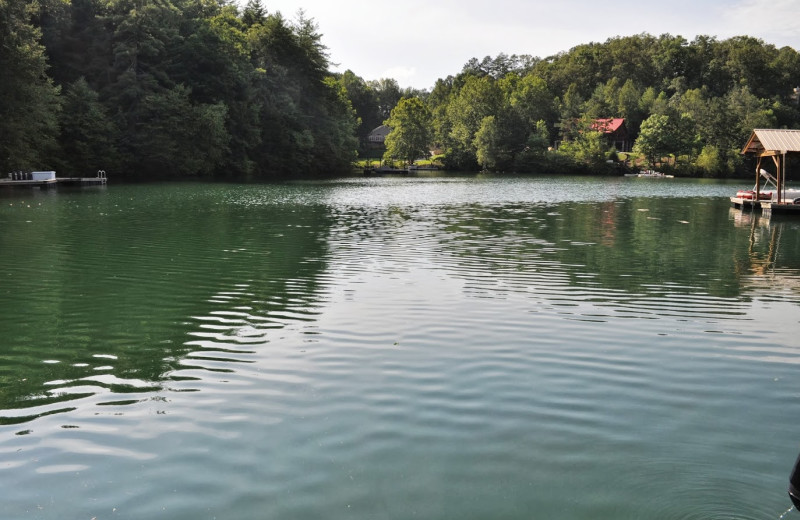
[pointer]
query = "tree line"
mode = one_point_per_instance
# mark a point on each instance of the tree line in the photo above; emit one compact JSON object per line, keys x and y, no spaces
{"x":168,"y":88}
{"x":689,"y":106}
{"x":176,"y":88}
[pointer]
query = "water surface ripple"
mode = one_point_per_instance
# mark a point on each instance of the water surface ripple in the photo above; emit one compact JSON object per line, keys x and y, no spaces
{"x":420,"y":347}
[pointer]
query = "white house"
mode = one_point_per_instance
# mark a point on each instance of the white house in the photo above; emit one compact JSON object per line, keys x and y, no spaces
{"x":378,"y":135}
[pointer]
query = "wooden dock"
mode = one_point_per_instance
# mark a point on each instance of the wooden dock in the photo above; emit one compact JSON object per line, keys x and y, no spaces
{"x":26,"y":181}
{"x":383,"y":170}
{"x":81,"y":181}
{"x":783,"y":208}
{"x":746,"y":204}
{"x":767,"y":207}
{"x":8,"y":183}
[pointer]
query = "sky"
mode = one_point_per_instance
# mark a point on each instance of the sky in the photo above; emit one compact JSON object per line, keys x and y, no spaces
{"x":417,"y":42}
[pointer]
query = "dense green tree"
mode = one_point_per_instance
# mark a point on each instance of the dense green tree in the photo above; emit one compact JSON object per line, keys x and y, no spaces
{"x":302,"y":113}
{"x":586,"y":146}
{"x":604,"y":100}
{"x":438,"y":101}
{"x":410,"y":137}
{"x":629,"y":58}
{"x":749,"y":61}
{"x":750,"y":111}
{"x":671,"y":56}
{"x":387,"y":95}
{"x":785,"y":71}
{"x":533,"y":100}
{"x":336,"y":124}
{"x":254,"y":13}
{"x":500,"y":66}
{"x":571,"y":104}
{"x":656,"y":139}
{"x":202,"y":87}
{"x":533,"y":155}
{"x":29,"y":102}
{"x":477,"y":99}
{"x":627,"y":105}
{"x":710,"y":161}
{"x":491,"y":146}
{"x":88,"y":135}
{"x":364,"y":101}
{"x":214,"y":60}
{"x":179,"y":138}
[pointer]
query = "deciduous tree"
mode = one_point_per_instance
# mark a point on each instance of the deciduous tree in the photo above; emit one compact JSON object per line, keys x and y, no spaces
{"x":410,"y":136}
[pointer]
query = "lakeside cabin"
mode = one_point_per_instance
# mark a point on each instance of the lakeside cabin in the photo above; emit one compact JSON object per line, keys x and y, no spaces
{"x":615,"y":131}
{"x":377,"y":136}
{"x":778,"y":146}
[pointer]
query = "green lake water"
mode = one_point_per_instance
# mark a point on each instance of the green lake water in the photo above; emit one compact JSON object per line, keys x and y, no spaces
{"x":432,"y":347}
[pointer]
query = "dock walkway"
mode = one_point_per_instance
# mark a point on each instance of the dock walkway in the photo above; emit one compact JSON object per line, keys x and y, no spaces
{"x":783,"y":208}
{"x":27,"y":180}
{"x":767,"y":207}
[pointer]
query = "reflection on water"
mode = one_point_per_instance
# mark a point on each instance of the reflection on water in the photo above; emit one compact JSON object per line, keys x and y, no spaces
{"x":432,"y":347}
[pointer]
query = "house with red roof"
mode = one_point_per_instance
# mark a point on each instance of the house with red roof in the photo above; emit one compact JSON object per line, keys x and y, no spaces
{"x":615,"y":131}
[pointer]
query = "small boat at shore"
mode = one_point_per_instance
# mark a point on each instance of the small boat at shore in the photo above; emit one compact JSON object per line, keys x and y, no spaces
{"x":751,"y":195}
{"x":759,"y":198}
{"x":650,"y":173}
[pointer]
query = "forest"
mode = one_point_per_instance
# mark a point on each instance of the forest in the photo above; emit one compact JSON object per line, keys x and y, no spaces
{"x":689,"y":107}
{"x":187,"y":88}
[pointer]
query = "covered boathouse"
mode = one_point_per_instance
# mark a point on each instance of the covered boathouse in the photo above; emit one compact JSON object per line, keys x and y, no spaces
{"x":779,"y":146}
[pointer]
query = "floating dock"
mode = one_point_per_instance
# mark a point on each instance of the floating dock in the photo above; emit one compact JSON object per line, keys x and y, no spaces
{"x":767,"y":207}
{"x":746,"y":204}
{"x":778,"y":145}
{"x":48,"y":179}
{"x":782,"y":208}
{"x":385,"y":171}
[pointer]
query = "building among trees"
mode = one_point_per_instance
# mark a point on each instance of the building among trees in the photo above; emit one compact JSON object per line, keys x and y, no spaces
{"x":377,"y":137}
{"x":615,"y":131}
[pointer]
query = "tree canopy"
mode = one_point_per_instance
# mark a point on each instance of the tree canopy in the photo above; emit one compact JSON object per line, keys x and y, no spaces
{"x":168,"y":88}
{"x":684,"y":104}
{"x":410,"y":136}
{"x":204,"y":87}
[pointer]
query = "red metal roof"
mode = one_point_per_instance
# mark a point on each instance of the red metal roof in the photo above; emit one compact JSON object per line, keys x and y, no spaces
{"x":608,"y":126}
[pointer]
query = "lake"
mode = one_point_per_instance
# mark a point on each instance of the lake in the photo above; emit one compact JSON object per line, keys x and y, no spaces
{"x":470,"y":347}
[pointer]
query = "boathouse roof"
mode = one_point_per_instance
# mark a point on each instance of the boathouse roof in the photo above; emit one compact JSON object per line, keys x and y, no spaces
{"x":764,"y":142}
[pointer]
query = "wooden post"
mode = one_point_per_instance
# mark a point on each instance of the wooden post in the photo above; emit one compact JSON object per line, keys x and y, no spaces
{"x":777,"y":160}
{"x":783,"y":163}
{"x":758,"y":182}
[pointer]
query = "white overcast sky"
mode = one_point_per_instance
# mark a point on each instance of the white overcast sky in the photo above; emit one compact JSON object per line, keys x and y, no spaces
{"x":418,"y":41}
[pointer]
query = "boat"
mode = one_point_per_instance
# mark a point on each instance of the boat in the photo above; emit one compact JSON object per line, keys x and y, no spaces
{"x":751,"y":194}
{"x":759,"y":198}
{"x":650,"y":173}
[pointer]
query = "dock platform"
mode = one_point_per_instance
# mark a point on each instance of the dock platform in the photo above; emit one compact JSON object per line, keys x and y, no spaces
{"x":82,"y":181}
{"x":385,"y":171}
{"x":746,"y":204}
{"x":49,"y":181}
{"x":767,"y":207}
{"x":783,"y":208}
{"x":8,"y":183}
